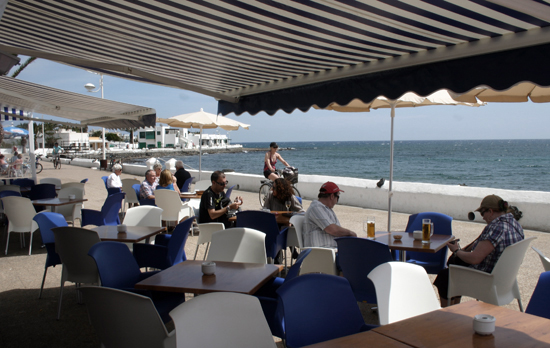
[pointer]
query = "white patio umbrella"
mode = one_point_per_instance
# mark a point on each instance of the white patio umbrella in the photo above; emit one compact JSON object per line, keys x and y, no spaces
{"x":202,"y":120}
{"x":407,"y":100}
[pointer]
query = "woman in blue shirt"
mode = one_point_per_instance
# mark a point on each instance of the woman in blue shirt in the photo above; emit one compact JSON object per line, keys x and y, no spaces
{"x":166,"y":182}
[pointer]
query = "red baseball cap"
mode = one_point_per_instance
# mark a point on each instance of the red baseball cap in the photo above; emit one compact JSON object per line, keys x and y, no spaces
{"x":329,"y":187}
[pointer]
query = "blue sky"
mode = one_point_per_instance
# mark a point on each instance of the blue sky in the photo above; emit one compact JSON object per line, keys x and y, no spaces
{"x":493,"y":121}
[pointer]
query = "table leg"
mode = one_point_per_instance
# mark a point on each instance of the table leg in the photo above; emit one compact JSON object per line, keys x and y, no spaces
{"x":402,"y":255}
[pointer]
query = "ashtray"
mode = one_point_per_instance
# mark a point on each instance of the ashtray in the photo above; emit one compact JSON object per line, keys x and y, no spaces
{"x":397,"y":236}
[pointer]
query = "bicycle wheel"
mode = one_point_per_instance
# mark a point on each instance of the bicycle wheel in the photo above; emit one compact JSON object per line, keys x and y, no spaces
{"x":264,"y":190}
{"x":39,"y":168}
{"x":296,"y":192}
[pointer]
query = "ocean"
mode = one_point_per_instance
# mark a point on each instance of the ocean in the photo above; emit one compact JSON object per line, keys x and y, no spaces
{"x":504,"y":164}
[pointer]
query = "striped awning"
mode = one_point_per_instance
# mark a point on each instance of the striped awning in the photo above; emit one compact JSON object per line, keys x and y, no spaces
{"x":261,"y":55}
{"x":20,"y":97}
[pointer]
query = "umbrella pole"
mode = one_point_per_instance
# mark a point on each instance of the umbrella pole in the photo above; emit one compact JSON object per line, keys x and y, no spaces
{"x":390,"y":192}
{"x":200,"y":155}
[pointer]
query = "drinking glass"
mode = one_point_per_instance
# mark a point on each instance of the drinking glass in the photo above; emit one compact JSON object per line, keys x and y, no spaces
{"x":288,"y":204}
{"x":426,"y":231}
{"x":368,"y":226}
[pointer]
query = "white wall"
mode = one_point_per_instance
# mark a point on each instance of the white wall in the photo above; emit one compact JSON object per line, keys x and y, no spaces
{"x":455,"y":201}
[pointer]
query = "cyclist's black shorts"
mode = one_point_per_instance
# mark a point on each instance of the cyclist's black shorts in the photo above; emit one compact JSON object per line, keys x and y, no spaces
{"x":268,"y":172}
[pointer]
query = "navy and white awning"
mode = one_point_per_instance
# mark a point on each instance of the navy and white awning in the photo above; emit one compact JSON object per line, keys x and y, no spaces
{"x":261,"y":55}
{"x":23,"y":97}
{"x":9,"y":113}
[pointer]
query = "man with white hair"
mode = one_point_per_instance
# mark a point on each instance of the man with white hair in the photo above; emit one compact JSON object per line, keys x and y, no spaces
{"x":181,"y":174}
{"x":114,"y":179}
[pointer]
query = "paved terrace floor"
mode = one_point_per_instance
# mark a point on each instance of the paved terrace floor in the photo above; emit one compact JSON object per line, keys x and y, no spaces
{"x":27,"y":321}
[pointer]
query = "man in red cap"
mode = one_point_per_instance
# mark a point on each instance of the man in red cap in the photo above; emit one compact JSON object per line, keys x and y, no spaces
{"x":321,"y":225}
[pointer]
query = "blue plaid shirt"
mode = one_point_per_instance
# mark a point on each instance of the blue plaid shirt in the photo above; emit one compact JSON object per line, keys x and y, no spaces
{"x":501,"y":232}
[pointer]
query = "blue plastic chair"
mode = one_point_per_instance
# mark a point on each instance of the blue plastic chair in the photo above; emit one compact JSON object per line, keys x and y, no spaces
{"x":136,"y":188}
{"x":540,"y":300}
{"x":167,"y":251}
{"x":46,"y":221}
{"x":229,"y":191}
{"x":119,"y":270}
{"x":8,"y":193}
{"x":108,"y":214}
{"x":275,"y":239}
{"x":187,"y":184}
{"x":111,"y":190}
{"x":357,"y":257}
{"x":432,"y":263}
{"x":117,"y":266}
{"x":105,"y":178}
{"x":84,"y":181}
{"x":268,"y":296}
{"x":23,"y":182}
{"x":42,"y":191}
{"x":318,"y":308}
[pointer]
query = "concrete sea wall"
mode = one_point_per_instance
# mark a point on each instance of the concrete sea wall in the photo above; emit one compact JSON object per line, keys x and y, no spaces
{"x":455,"y":201}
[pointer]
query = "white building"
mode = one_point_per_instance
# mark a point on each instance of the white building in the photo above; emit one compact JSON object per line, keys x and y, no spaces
{"x":161,"y":137}
{"x":68,"y":138}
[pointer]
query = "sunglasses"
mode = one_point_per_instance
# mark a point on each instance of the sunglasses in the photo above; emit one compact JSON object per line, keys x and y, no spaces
{"x":222,"y":183}
{"x":482,"y":212}
{"x":337,"y":197}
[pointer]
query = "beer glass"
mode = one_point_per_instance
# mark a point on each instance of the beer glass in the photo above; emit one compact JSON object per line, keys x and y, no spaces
{"x":368,"y":226}
{"x":426,"y":231}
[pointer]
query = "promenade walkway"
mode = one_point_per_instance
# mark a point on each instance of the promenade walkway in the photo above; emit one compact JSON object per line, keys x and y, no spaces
{"x":27,"y":321}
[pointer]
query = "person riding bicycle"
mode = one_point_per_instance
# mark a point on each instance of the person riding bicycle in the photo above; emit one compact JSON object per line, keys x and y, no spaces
{"x":270,"y":172}
{"x":57,"y":150}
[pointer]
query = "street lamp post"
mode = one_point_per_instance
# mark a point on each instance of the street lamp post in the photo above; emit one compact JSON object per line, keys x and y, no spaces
{"x":90,"y":88}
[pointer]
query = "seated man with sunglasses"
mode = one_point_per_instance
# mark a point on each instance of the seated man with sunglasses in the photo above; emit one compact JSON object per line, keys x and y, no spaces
{"x":214,"y":207}
{"x":321,"y":226}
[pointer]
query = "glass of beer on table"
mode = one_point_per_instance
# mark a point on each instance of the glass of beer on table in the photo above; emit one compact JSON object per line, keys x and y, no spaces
{"x":426,"y":230}
{"x":368,"y":226}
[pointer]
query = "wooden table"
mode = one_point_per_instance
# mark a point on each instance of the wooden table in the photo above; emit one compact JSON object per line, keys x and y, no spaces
{"x":56,"y":202}
{"x":408,"y":243}
{"x":364,"y":339}
{"x":187,"y":277}
{"x":133,"y":234}
{"x":190,"y":196}
{"x":453,"y":327}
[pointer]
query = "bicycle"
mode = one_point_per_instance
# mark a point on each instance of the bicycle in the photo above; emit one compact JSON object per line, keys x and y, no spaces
{"x":38,"y":165}
{"x":57,"y":161}
{"x":267,"y":185}
{"x":114,"y":161}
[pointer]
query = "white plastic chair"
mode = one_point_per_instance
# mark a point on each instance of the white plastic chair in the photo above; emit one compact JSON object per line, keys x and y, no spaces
{"x":499,"y":287}
{"x":320,"y":260}
{"x":146,"y":215}
{"x":72,"y":244}
{"x":202,"y":185}
{"x":74,"y":184}
{"x":238,"y":245}
{"x":55,"y":181}
{"x":220,"y":320}
{"x":20,"y":213}
{"x":205,"y":235}
{"x":125,"y":319}
{"x":131,"y":197}
{"x":71,"y":212}
{"x":545,"y":260}
{"x":294,"y":236}
{"x":403,"y":290}
{"x":173,"y":209}
{"x":16,"y":188}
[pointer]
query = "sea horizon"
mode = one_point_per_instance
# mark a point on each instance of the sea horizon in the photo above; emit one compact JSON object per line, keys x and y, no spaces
{"x":516,"y":164}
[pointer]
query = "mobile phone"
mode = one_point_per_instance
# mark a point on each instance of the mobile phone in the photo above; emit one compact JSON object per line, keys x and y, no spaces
{"x":455,"y":241}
